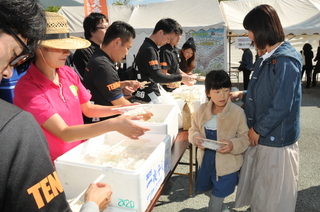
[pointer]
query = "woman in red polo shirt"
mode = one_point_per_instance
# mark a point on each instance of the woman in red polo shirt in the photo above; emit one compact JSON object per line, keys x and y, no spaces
{"x":53,"y":93}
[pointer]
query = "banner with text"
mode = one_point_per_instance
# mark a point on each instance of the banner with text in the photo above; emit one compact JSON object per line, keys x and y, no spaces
{"x":95,"y":6}
{"x":243,"y":43}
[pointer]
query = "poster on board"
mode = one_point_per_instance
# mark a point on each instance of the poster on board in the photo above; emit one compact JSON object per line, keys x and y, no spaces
{"x":210,"y":54}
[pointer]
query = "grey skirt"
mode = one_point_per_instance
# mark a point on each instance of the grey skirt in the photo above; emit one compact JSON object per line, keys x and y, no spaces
{"x":269,"y":179}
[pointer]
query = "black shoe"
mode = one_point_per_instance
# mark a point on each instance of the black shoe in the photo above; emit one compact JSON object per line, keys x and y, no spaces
{"x":306,"y":87}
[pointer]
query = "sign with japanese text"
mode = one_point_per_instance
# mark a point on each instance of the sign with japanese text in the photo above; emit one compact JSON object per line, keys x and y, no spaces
{"x":95,"y":6}
{"x":243,"y":43}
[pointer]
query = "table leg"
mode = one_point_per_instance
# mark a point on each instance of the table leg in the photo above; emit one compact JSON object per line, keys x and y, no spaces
{"x":191,"y":170}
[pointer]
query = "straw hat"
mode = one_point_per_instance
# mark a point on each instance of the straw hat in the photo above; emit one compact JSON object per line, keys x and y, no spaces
{"x":57,"y":34}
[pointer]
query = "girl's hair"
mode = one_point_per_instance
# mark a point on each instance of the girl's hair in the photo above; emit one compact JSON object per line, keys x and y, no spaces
{"x":265,"y":24}
{"x":187,"y":65}
{"x":216,"y":80}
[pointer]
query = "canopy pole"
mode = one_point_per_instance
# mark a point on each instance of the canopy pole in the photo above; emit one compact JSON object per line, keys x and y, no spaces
{"x":229,"y":38}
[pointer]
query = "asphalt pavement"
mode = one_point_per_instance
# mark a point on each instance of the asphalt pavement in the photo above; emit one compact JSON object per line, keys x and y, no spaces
{"x":175,"y":196}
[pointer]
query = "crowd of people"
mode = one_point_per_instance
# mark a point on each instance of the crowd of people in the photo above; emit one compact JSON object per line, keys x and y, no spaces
{"x":308,"y":67}
{"x":55,"y":97}
{"x":58,"y":107}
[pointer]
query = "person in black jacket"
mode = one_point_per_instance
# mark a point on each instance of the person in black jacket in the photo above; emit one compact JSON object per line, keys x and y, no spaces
{"x":316,"y":68}
{"x":246,"y":62}
{"x":307,"y":56}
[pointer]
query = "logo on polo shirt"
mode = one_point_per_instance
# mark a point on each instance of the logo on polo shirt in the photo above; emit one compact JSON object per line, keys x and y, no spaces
{"x":164,"y":64}
{"x":74,"y":89}
{"x":114,"y":85}
{"x":153,"y":62}
{"x":46,"y":190}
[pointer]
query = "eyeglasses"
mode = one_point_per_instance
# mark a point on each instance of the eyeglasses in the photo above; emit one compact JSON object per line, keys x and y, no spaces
{"x":21,"y":58}
{"x":104,"y":27}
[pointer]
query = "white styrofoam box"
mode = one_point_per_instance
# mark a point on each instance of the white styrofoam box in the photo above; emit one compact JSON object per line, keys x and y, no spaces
{"x":196,"y":93}
{"x":109,"y":154}
{"x":163,"y":121}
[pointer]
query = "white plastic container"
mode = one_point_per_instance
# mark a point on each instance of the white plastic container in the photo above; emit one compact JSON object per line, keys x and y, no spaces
{"x":164,"y":120}
{"x":211,"y":144}
{"x":133,"y":189}
{"x":196,"y":94}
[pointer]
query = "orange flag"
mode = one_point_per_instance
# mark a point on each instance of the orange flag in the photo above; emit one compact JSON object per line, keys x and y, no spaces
{"x":95,"y":6}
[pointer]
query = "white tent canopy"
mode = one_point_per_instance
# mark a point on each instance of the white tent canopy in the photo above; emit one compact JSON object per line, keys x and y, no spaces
{"x":191,"y":14}
{"x":297,"y":16}
{"x":198,"y":18}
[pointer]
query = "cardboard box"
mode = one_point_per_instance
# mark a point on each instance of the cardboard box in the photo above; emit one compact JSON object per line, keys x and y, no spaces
{"x":110,"y":154}
{"x":163,"y":121}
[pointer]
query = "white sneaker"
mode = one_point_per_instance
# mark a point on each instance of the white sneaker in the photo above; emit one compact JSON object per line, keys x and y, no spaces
{"x":227,"y":209}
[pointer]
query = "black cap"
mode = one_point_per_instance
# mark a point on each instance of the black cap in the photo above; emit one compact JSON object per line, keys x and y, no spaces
{"x":189,"y":44}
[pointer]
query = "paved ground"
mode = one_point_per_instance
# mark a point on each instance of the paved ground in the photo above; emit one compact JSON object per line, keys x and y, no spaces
{"x":175,"y":197}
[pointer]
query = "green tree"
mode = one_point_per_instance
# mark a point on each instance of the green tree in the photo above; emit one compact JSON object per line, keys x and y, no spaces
{"x":121,"y":2}
{"x":53,"y":9}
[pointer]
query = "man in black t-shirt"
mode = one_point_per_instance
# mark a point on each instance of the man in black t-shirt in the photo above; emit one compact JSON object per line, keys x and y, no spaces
{"x":169,"y":59}
{"x":101,"y":76}
{"x":148,"y":61}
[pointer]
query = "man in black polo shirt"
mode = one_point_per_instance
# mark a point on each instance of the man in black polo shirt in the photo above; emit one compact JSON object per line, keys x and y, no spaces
{"x":169,"y":59}
{"x":148,"y":62}
{"x":101,"y":75}
{"x":95,"y":26}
